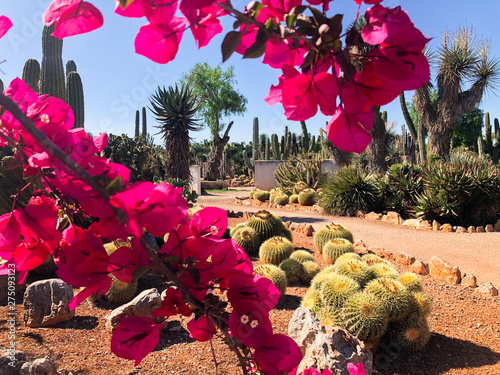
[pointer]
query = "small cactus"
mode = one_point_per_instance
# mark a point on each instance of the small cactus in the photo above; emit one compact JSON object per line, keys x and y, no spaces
{"x":248,"y":239}
{"x":385,"y":270}
{"x":355,"y":269}
{"x":393,"y":295}
{"x":330,"y":231}
{"x":307,"y":197}
{"x":336,"y":247}
{"x":337,"y":289}
{"x":420,"y":304}
{"x":273,"y":273}
{"x":121,"y":292}
{"x":411,"y":281}
{"x":261,"y":195}
{"x":411,"y":335}
{"x":275,"y":250}
{"x":330,"y":317}
{"x":293,"y":270}
{"x":236,"y":228}
{"x":310,"y":270}
{"x":312,"y":300}
{"x":299,"y":186}
{"x":364,"y":316}
{"x":281,"y":199}
{"x":302,"y":256}
{"x":287,"y":233}
{"x":294,"y":198}
{"x":266,"y":224}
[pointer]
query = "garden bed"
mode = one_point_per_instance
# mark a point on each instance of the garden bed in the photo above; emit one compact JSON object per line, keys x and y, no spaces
{"x":465,"y":337}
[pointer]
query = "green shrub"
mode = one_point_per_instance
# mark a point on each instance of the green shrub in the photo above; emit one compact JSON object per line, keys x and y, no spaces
{"x":401,"y":188}
{"x":351,"y":190}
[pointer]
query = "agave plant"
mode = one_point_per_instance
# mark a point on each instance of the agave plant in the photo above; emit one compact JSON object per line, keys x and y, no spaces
{"x":174,"y":109}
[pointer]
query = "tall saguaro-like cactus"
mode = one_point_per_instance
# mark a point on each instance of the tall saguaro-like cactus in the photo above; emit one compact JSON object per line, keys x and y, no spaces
{"x":255,"y":140}
{"x":52,"y":78}
{"x":31,"y":73}
{"x":75,"y":98}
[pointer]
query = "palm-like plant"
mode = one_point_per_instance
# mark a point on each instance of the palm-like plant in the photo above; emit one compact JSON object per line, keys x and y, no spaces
{"x":174,"y":109}
{"x":461,"y":59}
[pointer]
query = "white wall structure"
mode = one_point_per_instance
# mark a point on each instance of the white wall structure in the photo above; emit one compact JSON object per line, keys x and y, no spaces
{"x":195,"y":171}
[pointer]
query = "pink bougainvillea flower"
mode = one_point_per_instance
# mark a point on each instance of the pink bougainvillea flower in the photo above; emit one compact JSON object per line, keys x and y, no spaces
{"x":134,"y":9}
{"x":350,"y":132}
{"x":160,"y":43}
{"x":252,"y":292}
{"x":281,"y":7}
{"x":82,"y":262}
{"x":356,"y":369}
{"x":277,"y":354}
{"x":201,"y":329}
{"x":325,"y":3}
{"x":275,"y":93}
{"x":313,"y":371}
{"x":389,"y":27}
{"x":72,"y":17}
{"x":302,"y":94}
{"x":209,"y":221}
{"x":251,"y":328}
{"x":283,"y":53}
{"x":5,"y":25}
{"x":203,"y":22}
{"x":161,"y":12}
{"x":126,"y":259}
{"x":135,"y":337}
{"x":172,"y":304}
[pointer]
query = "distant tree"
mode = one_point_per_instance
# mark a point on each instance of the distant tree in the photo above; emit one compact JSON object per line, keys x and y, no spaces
{"x":218,"y":99}
{"x":468,"y":129}
{"x":175,"y":109}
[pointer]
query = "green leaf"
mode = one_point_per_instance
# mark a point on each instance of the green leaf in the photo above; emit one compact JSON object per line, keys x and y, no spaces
{"x":290,"y":20}
{"x":115,"y":184}
{"x":125,"y":3}
{"x":335,"y":24}
{"x":259,"y":46}
{"x":318,"y":16}
{"x":231,"y":42}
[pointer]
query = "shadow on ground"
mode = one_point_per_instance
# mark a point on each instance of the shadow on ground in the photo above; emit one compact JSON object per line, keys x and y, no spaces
{"x":301,"y":219}
{"x":445,"y":353}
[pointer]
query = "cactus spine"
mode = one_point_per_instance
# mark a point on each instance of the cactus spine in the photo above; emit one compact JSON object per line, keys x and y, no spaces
{"x":31,"y":73}
{"x":52,"y":79}
{"x":75,"y":98}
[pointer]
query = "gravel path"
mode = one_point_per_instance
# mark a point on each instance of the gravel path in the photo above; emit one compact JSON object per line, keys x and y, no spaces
{"x":475,"y":253}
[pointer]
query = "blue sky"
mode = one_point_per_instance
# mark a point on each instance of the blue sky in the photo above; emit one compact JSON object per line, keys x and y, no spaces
{"x":117,"y":81}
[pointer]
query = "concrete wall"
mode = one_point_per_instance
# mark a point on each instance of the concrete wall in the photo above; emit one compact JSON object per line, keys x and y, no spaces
{"x":264,"y":172}
{"x":195,"y":171}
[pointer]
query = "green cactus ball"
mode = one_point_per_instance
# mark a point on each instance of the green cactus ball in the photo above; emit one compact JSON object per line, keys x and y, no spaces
{"x":275,"y":250}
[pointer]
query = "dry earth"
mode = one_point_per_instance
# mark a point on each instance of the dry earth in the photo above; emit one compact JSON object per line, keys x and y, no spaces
{"x":465,"y":337}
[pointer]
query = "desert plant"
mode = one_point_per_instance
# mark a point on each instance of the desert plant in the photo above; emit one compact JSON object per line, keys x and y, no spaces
{"x":356,"y":270}
{"x":302,"y":256}
{"x":273,"y":273}
{"x":411,"y":281}
{"x":307,"y":197}
{"x":404,"y":183}
{"x":299,"y":186}
{"x":393,"y":295}
{"x":337,"y":289}
{"x":287,"y":233}
{"x":385,"y":270}
{"x":420,"y":305}
{"x":310,"y":270}
{"x":275,"y":250}
{"x":248,"y":239}
{"x":261,"y":195}
{"x":281,"y":199}
{"x":335,"y":248}
{"x":329,"y":232}
{"x":294,"y":198}
{"x":411,"y":334}
{"x":365,"y":316}
{"x":350,"y":190}
{"x":293,"y":270}
{"x":121,"y":292}
{"x":266,"y":224}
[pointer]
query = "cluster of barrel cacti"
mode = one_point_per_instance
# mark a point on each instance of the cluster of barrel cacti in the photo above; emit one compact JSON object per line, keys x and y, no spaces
{"x":50,"y":78}
{"x":370,"y":298}
{"x":300,"y":193}
{"x":266,"y":235}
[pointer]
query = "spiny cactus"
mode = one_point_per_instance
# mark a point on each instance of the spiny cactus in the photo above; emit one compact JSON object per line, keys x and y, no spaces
{"x":330,"y":317}
{"x":364,"y":316}
{"x":273,"y":193}
{"x":312,"y":300}
{"x":121,"y":292}
{"x":266,"y":224}
{"x":393,"y":295}
{"x":307,"y":197}
{"x":293,"y":270}
{"x":302,"y":256}
{"x":385,"y":270}
{"x":75,"y":98}
{"x":31,"y":73}
{"x":193,"y":210}
{"x":252,"y":192}
{"x":346,"y":257}
{"x":287,"y":233}
{"x":281,"y":199}
{"x":70,"y":67}
{"x":273,"y":273}
{"x":52,"y":78}
{"x":236,"y":228}
{"x":411,"y":281}
{"x":337,"y":289}
{"x":261,"y":195}
{"x":137,"y":118}
{"x":275,"y":250}
{"x":329,"y":232}
{"x":356,"y":270}
{"x":420,"y":305}
{"x":411,"y":334}
{"x":294,"y":198}
{"x":310,"y":270}
{"x":299,"y":186}
{"x":372,"y":259}
{"x":48,"y":267}
{"x":318,"y":280}
{"x":248,"y":239}
{"x":336,"y":247}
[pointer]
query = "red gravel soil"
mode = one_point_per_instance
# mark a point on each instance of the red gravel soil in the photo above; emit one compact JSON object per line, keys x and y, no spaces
{"x":465,"y":337}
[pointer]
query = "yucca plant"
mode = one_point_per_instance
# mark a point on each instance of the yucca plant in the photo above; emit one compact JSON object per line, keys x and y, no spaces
{"x":174,"y":108}
{"x":350,"y":190}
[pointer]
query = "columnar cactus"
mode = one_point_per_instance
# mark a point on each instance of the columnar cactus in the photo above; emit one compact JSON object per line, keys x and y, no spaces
{"x":70,"y":67}
{"x":31,"y":73}
{"x":52,"y":78}
{"x":137,"y":118}
{"x":144,"y":123}
{"x":75,"y":98}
